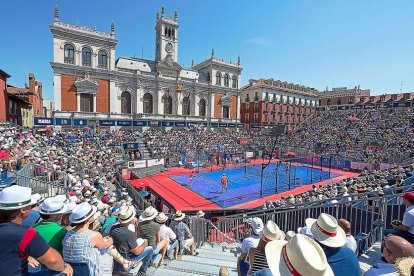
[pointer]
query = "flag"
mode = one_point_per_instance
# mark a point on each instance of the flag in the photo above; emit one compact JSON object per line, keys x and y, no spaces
{"x":180,"y":88}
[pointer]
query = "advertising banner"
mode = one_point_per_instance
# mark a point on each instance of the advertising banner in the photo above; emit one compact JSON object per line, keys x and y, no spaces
{"x":63,"y":122}
{"x":153,"y":162}
{"x":124,"y":123}
{"x":106,"y":122}
{"x":140,"y":123}
{"x":138,"y":164}
{"x":40,"y":121}
{"x":80,"y":122}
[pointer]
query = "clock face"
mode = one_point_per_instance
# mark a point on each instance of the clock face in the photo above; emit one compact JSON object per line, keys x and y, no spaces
{"x":169,"y":47}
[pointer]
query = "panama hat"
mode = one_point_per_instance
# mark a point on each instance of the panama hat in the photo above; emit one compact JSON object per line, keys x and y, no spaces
{"x":82,"y":212}
{"x":257,"y":225}
{"x":325,"y":230}
{"x":69,"y":207}
{"x":271,"y":232}
{"x":300,"y":256}
{"x":15,"y":197}
{"x":52,"y":206}
{"x":290,"y":235}
{"x":405,"y":266}
{"x":149,"y":214}
{"x":126,"y":214}
{"x":200,"y":214}
{"x":62,"y":198}
{"x":37,"y":198}
{"x":161,"y":218}
{"x":179,"y":216}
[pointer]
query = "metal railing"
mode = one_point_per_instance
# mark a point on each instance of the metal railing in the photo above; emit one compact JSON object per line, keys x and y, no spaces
{"x":136,"y":197}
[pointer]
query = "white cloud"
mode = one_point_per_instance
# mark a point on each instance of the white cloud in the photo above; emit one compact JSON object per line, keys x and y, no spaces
{"x":260,"y":41}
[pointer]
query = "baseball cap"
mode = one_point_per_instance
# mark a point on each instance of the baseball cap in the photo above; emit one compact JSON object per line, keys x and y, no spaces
{"x":257,"y":225}
{"x":409,"y":196}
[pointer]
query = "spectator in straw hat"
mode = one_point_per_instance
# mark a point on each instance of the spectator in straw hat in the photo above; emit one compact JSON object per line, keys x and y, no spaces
{"x":257,"y":257}
{"x":150,"y":230}
{"x":332,"y":238}
{"x":405,"y":266}
{"x":256,"y":225}
{"x":168,"y":234}
{"x":200,"y":214}
{"x":184,"y":236}
{"x":300,"y":256}
{"x":126,"y":241}
{"x":394,"y":248}
{"x":18,"y":241}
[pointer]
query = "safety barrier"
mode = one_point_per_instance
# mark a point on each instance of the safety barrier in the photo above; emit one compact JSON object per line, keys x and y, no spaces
{"x":136,"y":197}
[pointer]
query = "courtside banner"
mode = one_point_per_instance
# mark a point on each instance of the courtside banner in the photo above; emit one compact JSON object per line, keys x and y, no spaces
{"x":180,"y":124}
{"x":154,"y":123}
{"x":214,"y":125}
{"x":140,"y":123}
{"x":153,"y":162}
{"x":106,"y":122}
{"x":167,"y":124}
{"x":222,"y":125}
{"x":63,"y":122}
{"x":240,"y":125}
{"x":137,"y":164}
{"x":124,"y":123}
{"x":80,"y":122}
{"x":232,"y":125}
{"x":40,"y":121}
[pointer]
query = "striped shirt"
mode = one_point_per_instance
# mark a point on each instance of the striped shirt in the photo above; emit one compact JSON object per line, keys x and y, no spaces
{"x":259,"y":261}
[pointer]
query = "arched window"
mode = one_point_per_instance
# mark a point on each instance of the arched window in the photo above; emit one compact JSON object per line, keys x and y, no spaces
{"x":126,"y":102}
{"x":202,"y":108}
{"x":168,"y":105}
{"x":147,"y":103}
{"x":186,"y":106}
{"x":86,"y":56}
{"x":218,"y":78}
{"x":69,"y":54}
{"x":102,"y":59}
{"x":338,"y":101}
{"x":86,"y":102}
{"x":208,"y":77}
{"x":226,"y":80}
{"x":234,"y":82}
{"x":226,"y":112}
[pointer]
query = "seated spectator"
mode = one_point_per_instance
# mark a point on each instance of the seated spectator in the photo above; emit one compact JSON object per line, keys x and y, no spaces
{"x":252,"y":241}
{"x":33,"y":216}
{"x":257,"y":256}
{"x":168,"y":234}
{"x":200,"y":214}
{"x":150,"y":230}
{"x":300,"y":256}
{"x":405,"y":266}
{"x":84,"y":246}
{"x":18,"y":241}
{"x":350,"y":240}
{"x":184,"y":236}
{"x":394,"y":247}
{"x":404,"y":228}
{"x":126,"y":241}
{"x":332,"y":238}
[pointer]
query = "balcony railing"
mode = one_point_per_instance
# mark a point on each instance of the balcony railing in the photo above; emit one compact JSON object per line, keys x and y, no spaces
{"x":69,"y":60}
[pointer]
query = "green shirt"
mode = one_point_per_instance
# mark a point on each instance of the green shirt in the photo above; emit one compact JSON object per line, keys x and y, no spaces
{"x":52,"y":233}
{"x":108,"y":221}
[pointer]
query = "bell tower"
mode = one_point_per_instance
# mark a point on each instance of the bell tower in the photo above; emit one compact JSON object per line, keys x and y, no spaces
{"x":166,"y":38}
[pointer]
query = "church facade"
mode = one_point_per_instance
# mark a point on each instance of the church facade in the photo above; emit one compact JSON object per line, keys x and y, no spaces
{"x":91,"y":82}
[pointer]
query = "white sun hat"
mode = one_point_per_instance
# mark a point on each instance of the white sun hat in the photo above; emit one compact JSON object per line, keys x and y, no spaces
{"x":126,"y":214}
{"x":149,"y":214}
{"x":257,"y":225}
{"x":52,"y":206}
{"x":300,"y":256}
{"x":325,"y":230}
{"x":271,"y":232}
{"x":15,"y":197}
{"x":82,"y":212}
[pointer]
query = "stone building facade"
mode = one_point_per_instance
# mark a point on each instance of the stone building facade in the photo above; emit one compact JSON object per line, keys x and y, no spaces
{"x":91,"y":82}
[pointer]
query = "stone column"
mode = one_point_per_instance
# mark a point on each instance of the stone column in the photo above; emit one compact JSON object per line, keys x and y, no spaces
{"x":94,"y":103}
{"x":78,"y":102}
{"x":196,"y":107}
{"x":160,"y":104}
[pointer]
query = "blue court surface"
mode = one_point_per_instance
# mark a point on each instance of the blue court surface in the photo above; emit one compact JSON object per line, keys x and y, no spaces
{"x":244,"y":184}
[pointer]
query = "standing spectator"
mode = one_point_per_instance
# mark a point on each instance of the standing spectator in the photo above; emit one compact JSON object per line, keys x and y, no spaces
{"x":168,"y":234}
{"x":249,"y":242}
{"x":19,"y":242}
{"x":350,"y":240}
{"x":185,"y":238}
{"x":126,"y":240}
{"x":394,"y":247}
{"x":150,"y":230}
{"x":404,"y":228}
{"x":332,"y":238}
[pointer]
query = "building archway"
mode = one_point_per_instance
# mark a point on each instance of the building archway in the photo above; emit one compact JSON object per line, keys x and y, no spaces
{"x":148,"y":103}
{"x":126,"y":102}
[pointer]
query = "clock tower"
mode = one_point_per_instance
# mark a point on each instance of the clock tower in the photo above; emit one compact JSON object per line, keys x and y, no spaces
{"x":166,"y":38}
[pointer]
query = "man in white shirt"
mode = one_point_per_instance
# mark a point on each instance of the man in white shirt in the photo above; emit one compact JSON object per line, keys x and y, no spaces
{"x":394,"y":247}
{"x":166,"y":233}
{"x":350,"y":240}
{"x":249,"y":242}
{"x":404,"y":228}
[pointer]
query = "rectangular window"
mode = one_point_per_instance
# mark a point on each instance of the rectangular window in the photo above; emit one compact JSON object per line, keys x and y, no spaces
{"x":266,"y":118}
{"x":256,"y":117}
{"x":394,"y":97}
{"x":10,"y":107}
{"x":246,"y":117}
{"x":247,"y":107}
{"x":256,"y":107}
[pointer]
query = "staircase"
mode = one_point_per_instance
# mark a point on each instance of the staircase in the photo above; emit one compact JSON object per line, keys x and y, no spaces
{"x":144,"y":148}
{"x":211,"y":257}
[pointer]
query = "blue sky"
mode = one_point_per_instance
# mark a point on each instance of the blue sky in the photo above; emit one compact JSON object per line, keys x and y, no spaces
{"x":317,"y":43}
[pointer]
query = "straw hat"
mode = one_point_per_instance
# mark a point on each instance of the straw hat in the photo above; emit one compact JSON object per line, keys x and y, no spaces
{"x":325,"y":230}
{"x":52,"y":206}
{"x":82,"y":212}
{"x":200,"y":214}
{"x":149,"y":214}
{"x":300,"y":256}
{"x":15,"y":197}
{"x":271,"y":232}
{"x":405,"y":266}
{"x":290,"y":235}
{"x":126,"y":214}
{"x":179,"y":215}
{"x":161,"y":218}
